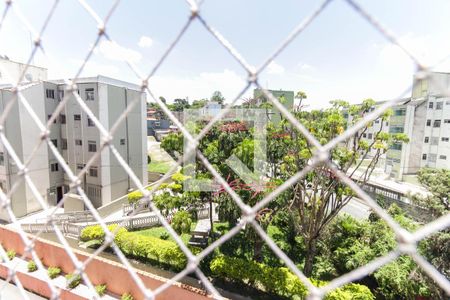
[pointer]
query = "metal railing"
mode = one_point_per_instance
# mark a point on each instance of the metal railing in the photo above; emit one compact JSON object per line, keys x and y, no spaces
{"x":407,"y":241}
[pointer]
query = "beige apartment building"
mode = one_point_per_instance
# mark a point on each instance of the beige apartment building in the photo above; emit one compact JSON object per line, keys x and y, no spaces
{"x":77,"y":139}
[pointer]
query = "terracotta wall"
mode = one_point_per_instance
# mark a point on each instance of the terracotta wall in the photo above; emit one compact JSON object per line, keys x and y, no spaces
{"x":100,"y":270}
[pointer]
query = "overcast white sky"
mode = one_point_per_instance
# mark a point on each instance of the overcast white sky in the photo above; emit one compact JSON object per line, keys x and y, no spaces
{"x":339,"y":56}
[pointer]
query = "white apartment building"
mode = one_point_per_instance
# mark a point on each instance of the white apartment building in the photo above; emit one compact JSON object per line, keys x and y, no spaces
{"x":11,"y":71}
{"x":77,"y":139}
{"x":425,"y":119}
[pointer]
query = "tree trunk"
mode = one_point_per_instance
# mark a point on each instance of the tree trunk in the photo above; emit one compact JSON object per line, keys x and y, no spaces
{"x":257,"y":249}
{"x":211,"y":216}
{"x":311,"y":251}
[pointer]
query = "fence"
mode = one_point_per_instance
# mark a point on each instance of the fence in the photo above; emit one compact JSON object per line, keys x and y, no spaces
{"x":74,"y":229}
{"x":321,"y":153}
{"x":389,"y":196}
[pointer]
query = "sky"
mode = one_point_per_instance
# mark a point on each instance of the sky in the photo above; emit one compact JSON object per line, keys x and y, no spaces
{"x":339,"y":56}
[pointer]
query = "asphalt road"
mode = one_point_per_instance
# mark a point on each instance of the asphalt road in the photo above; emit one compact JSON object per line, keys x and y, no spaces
{"x":357,"y":209}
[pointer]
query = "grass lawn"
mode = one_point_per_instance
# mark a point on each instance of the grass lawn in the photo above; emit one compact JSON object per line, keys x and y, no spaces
{"x":159,"y":167}
{"x":157,"y":231}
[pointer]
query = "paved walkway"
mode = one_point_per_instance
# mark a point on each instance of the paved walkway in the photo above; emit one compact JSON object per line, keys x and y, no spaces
{"x":157,"y":154}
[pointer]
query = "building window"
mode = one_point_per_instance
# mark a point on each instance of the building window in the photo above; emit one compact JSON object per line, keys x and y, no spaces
{"x":427,"y":139}
{"x":77,"y":117}
{"x":432,"y":157}
{"x":60,"y":95}
{"x":364,"y":135}
{"x":2,"y":159}
{"x":80,"y":166}
{"x":78,"y":142}
{"x":93,"y":171}
{"x":369,"y":136}
{"x":447,"y":121}
{"x":64,"y":144}
{"x":122,"y":141}
{"x":92,"y":146}
{"x":437,"y":123}
{"x":55,"y":142}
{"x":400,"y":112}
{"x":157,"y":123}
{"x":377,"y":121}
{"x":428,"y":122}
{"x":439,"y":105}
{"x":50,"y":93}
{"x":442,"y":157}
{"x":49,"y":117}
{"x":445,"y":139}
{"x":62,"y":119}
{"x":89,"y":94}
{"x":430,"y":105}
{"x":396,"y":146}
{"x":54,"y":167}
{"x":396,"y":129}
{"x":434,"y":140}
{"x":424,"y":156}
{"x":90,"y":122}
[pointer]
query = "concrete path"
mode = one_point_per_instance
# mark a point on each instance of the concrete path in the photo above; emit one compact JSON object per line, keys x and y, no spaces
{"x":156,"y":153}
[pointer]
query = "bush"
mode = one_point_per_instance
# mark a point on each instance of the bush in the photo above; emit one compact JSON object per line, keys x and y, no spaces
{"x":11,"y":254}
{"x":126,"y":296}
{"x":73,"y":280}
{"x":96,"y":232}
{"x":182,"y":222}
{"x":134,"y":197}
{"x":31,"y":266}
{"x":148,"y":248}
{"x":53,"y":272}
{"x":279,"y":281}
{"x":164,"y":236}
{"x":100,"y":289}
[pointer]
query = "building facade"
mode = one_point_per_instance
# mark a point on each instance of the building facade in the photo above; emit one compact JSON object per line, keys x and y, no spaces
{"x":77,"y":140}
{"x":11,"y":71}
{"x":425,"y":119}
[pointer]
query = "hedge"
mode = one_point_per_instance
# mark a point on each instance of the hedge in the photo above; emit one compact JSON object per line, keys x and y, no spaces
{"x":95,"y":232}
{"x":279,"y":281}
{"x":152,"y":249}
{"x":145,"y":248}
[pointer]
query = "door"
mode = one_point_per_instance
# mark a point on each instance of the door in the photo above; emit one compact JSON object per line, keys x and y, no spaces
{"x":59,"y":193}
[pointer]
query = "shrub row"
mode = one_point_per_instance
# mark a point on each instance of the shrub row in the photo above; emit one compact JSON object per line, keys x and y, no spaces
{"x":141,"y":247}
{"x":152,"y":249}
{"x":175,"y":186}
{"x":279,"y":281}
{"x":96,"y":232}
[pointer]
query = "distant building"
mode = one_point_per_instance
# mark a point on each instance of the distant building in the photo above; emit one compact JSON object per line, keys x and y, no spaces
{"x":10,"y":71}
{"x":77,"y":139}
{"x":211,"y":109}
{"x":285,"y":97}
{"x":425,"y":119}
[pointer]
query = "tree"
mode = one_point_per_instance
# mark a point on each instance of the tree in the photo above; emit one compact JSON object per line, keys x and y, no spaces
{"x":437,"y":182}
{"x":217,"y":97}
{"x":199,"y":103}
{"x":312,"y":202}
{"x":317,"y":198}
{"x":180,"y":104}
{"x":300,"y":95}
